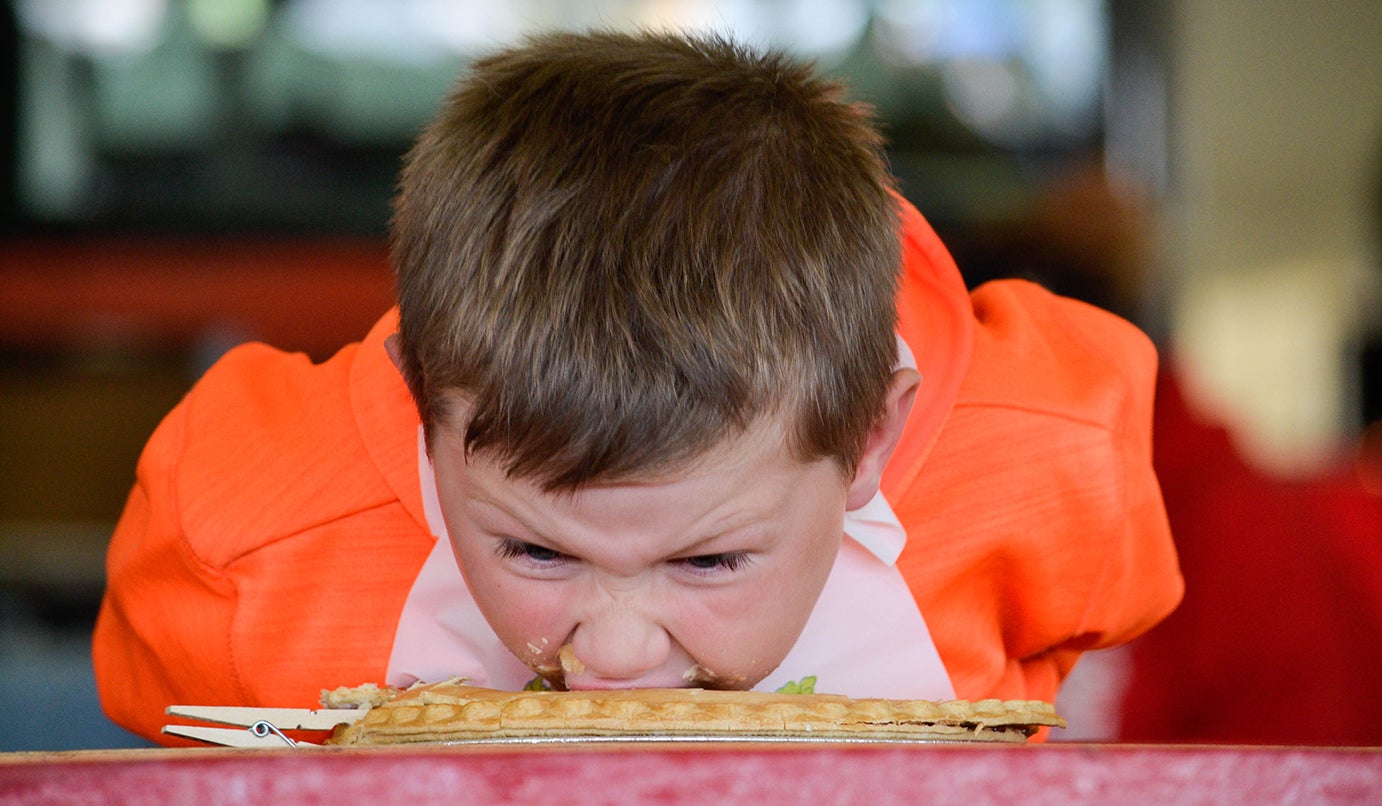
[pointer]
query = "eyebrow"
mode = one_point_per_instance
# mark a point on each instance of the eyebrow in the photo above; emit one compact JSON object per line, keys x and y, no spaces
{"x":695,"y":548}
{"x":490,"y":503}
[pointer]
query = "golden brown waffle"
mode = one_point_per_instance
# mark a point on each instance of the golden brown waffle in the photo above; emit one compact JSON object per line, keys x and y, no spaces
{"x":454,"y":712}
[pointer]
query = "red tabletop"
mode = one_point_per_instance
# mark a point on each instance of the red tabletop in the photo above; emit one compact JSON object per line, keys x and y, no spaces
{"x":701,"y":774}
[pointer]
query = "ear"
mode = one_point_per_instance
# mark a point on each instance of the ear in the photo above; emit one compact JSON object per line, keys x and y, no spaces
{"x":393,"y":346}
{"x":883,"y":438}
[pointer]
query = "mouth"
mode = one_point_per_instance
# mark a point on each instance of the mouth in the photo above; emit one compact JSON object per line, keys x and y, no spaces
{"x":556,"y":673}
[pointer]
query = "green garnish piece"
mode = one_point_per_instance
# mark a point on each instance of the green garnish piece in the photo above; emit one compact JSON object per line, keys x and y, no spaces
{"x":538,"y":683}
{"x":807,"y":685}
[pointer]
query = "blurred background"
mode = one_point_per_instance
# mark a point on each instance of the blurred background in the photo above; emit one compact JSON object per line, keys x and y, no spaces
{"x":178,"y":176}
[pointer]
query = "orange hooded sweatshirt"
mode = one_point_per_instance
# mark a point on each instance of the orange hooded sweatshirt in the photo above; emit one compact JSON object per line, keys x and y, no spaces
{"x":276,"y":526}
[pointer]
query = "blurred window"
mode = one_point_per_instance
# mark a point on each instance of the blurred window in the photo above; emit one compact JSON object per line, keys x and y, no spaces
{"x":292,"y":114}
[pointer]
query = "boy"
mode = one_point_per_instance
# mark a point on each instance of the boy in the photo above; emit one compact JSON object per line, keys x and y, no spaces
{"x":656,"y":408}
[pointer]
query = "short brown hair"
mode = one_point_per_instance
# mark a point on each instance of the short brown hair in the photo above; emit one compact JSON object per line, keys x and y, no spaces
{"x":622,"y":249}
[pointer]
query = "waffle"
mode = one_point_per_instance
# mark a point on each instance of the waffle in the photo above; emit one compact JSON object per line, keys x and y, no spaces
{"x":455,"y":712}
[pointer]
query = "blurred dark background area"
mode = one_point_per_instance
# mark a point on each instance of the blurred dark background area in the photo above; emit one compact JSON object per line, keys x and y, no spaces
{"x":179,"y":176}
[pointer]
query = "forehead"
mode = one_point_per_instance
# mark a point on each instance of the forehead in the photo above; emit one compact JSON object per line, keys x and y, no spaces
{"x":753,"y":479}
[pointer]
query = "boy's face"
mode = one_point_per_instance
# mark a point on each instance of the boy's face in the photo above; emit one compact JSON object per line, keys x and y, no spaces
{"x":704,"y":577}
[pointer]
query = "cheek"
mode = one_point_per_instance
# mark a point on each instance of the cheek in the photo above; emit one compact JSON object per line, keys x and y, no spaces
{"x":744,"y":634}
{"x":782,"y":602}
{"x":520,"y":611}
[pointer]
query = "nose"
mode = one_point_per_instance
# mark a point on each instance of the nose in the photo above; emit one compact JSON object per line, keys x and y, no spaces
{"x":619,"y":644}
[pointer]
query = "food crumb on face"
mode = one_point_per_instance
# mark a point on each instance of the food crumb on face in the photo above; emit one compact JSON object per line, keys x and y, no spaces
{"x":570,"y":664}
{"x":697,"y":675}
{"x":533,"y":648}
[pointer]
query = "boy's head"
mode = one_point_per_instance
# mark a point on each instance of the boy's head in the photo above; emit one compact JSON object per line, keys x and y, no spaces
{"x":615,"y":252}
{"x":647,"y":312}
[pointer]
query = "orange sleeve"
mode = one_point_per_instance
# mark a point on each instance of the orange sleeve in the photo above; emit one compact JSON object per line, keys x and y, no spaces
{"x":262,"y":555}
{"x":163,"y":633}
{"x":1036,"y":527}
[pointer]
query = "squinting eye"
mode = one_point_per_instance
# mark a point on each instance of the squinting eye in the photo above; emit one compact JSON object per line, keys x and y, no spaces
{"x":728,"y":561}
{"x":521,"y":549}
